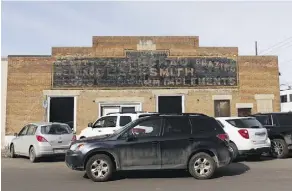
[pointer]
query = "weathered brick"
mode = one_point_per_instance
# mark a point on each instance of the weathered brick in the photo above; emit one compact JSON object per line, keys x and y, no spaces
{"x":28,"y":76}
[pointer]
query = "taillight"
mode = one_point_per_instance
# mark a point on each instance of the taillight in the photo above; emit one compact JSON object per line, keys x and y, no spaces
{"x":73,"y":138}
{"x":244,"y":133}
{"x":41,"y":139}
{"x":223,"y":137}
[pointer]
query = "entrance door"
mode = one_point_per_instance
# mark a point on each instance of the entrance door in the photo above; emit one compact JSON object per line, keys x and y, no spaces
{"x":170,"y":104}
{"x":62,"y":110}
{"x":243,"y":112}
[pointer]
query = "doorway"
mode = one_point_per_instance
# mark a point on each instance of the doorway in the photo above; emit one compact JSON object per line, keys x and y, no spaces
{"x":222,"y":108}
{"x":61,"y":109}
{"x":243,"y":112}
{"x":170,"y":104}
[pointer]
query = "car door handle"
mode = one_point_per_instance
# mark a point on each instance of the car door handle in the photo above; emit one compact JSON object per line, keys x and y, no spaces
{"x":191,"y":139}
{"x":99,"y":131}
{"x":154,"y":142}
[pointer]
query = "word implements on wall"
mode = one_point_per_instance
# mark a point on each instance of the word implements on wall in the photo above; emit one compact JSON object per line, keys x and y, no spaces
{"x":145,"y":68}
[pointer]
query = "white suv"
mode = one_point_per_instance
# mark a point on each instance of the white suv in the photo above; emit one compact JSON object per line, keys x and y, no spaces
{"x":110,"y":123}
{"x":246,"y":134}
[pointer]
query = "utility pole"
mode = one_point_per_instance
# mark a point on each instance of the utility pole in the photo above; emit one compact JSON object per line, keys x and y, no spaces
{"x":256,"y":48}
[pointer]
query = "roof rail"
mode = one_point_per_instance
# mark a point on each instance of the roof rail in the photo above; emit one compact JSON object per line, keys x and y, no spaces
{"x":134,"y":112}
{"x":200,"y":114}
{"x":183,"y":114}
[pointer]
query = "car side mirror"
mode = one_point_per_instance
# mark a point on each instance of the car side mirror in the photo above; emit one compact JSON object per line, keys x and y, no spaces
{"x":130,"y":138}
{"x":90,"y":124}
{"x":15,"y":134}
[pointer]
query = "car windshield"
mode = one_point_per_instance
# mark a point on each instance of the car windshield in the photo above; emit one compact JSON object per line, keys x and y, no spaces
{"x":56,"y":129}
{"x":245,"y":123}
{"x":126,"y":126}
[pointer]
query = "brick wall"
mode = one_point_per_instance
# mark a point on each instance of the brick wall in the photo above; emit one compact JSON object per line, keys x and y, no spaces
{"x":29,"y":76}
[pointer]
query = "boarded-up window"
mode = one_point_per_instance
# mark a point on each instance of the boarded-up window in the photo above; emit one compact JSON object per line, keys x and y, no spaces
{"x":222,"y":108}
{"x":243,"y":112}
{"x":265,"y":105}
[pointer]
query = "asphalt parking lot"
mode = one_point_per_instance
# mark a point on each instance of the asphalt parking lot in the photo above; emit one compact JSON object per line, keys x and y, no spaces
{"x":267,"y":175}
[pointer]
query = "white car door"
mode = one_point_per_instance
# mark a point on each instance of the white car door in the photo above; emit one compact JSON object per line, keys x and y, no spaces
{"x":110,"y":125}
{"x":29,"y":138}
{"x":18,"y":141}
{"x":104,"y":125}
{"x":97,"y":128}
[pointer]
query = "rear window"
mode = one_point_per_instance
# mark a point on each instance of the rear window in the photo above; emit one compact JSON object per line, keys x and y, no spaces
{"x":177,"y":125}
{"x":205,"y":124}
{"x":264,"y":119}
{"x":284,"y":119}
{"x":124,"y":120}
{"x":56,"y":129}
{"x":245,"y":123}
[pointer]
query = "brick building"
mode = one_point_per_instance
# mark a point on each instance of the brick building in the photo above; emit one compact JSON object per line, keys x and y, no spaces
{"x":166,"y":74}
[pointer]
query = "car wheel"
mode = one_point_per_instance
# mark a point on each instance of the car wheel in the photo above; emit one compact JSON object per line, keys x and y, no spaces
{"x":202,"y":166}
{"x":32,"y":156}
{"x":12,"y":152}
{"x":279,"y":148}
{"x":82,"y":138}
{"x":234,"y":150}
{"x":99,"y":168}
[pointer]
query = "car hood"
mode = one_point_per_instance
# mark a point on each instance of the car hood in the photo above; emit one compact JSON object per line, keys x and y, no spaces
{"x":96,"y":138}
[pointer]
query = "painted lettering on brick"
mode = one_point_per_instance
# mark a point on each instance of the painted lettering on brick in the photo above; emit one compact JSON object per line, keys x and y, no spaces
{"x":144,"y":69}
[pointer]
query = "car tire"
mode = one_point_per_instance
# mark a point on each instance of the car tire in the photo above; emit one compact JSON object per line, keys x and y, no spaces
{"x":202,"y":166}
{"x":82,"y":137}
{"x":12,"y":151}
{"x":99,"y":168}
{"x":32,"y":155}
{"x":279,"y":148}
{"x":235,"y":150}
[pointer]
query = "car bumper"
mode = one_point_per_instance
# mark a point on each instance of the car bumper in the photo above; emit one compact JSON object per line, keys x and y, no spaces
{"x":224,"y":157}
{"x":74,"y":160}
{"x":50,"y":151}
{"x":255,"y":151}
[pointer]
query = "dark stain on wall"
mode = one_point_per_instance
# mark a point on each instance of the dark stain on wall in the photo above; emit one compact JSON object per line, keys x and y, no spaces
{"x":144,"y":69}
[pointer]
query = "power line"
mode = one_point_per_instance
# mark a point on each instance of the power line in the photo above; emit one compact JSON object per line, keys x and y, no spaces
{"x":286,"y":61}
{"x":271,"y":47}
{"x":277,"y":49}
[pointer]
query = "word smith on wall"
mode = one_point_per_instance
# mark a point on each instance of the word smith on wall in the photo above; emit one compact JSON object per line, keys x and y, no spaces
{"x":144,"y":69}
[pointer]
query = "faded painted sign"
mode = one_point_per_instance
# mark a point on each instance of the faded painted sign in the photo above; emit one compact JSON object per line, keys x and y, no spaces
{"x":144,"y":69}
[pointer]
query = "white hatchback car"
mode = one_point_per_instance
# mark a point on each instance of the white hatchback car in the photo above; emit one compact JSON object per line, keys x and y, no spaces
{"x":37,"y":140}
{"x":112,"y":122}
{"x":247,"y":135}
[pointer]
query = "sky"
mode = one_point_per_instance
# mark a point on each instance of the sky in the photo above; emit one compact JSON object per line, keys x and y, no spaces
{"x":32,"y":28}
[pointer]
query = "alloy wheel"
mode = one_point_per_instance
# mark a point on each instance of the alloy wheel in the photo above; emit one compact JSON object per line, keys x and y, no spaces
{"x":277,"y":148}
{"x":99,"y":168}
{"x":202,"y":166}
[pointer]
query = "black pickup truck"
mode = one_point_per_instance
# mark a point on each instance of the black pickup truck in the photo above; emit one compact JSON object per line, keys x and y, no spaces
{"x":279,"y":126}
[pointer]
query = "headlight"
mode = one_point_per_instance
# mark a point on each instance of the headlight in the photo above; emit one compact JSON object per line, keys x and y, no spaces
{"x":76,"y":146}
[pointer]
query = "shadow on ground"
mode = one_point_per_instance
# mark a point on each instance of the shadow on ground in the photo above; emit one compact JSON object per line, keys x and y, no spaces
{"x":47,"y":159}
{"x":233,"y":169}
{"x":258,"y":159}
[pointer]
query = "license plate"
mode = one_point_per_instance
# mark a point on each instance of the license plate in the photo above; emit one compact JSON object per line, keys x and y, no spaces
{"x":260,"y":134}
{"x":59,"y":151}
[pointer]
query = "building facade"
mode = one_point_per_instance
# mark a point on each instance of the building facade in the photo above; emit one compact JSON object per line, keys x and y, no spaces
{"x":123,"y":73}
{"x":4,"y":64}
{"x":286,"y":100}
